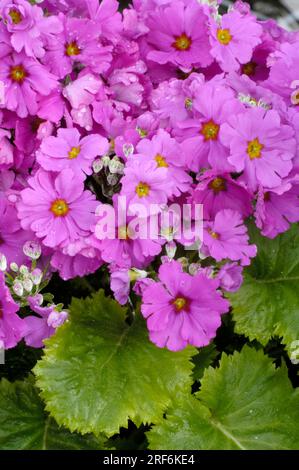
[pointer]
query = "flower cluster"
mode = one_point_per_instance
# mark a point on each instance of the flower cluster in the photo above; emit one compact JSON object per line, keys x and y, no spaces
{"x":167,"y":103}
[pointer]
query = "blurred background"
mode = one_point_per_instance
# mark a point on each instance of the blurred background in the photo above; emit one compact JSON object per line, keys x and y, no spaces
{"x":286,"y":12}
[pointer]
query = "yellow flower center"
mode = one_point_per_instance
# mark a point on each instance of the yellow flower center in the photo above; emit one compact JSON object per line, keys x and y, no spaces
{"x":142,"y":189}
{"x":124,"y":233}
{"x":15,"y":15}
{"x":217,"y":185}
{"x":210,"y":130}
{"x":254,"y":149}
{"x":213,"y":234}
{"x":249,"y":68}
{"x":59,"y":207}
{"x":18,"y":73}
{"x":72,"y":48}
{"x":74,"y":152}
{"x":180,"y":303}
{"x":161,"y":162}
{"x":224,"y":36}
{"x":182,"y":42}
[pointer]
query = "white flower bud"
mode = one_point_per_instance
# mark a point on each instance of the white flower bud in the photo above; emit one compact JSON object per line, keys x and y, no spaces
{"x":128,"y":149}
{"x":116,"y":166}
{"x":106,"y":160}
{"x":170,"y":249}
{"x":112,"y":179}
{"x":14,"y":267}
{"x":97,"y":165}
{"x":3,"y":262}
{"x":36,"y":276}
{"x":28,"y":284}
{"x":18,"y":288}
{"x":24,"y":270}
{"x":32,"y":249}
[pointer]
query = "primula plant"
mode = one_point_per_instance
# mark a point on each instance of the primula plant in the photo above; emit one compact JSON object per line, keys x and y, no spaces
{"x":149,"y":247}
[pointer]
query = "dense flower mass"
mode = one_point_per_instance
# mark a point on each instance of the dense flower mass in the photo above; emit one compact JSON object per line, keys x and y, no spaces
{"x":111,"y":124}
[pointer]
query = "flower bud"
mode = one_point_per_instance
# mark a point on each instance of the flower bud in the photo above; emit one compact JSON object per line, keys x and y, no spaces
{"x":18,"y":288}
{"x":98,"y":165}
{"x":36,"y":276}
{"x":28,"y":285}
{"x":170,"y":249}
{"x":56,"y":319}
{"x":3,"y":262}
{"x":24,"y":270}
{"x":128,"y":149}
{"x":14,"y":267}
{"x":116,"y":166}
{"x":32,"y":249}
{"x":112,"y":179}
{"x":106,"y":160}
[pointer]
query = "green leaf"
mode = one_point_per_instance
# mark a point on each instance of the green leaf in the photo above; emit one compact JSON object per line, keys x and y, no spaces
{"x":98,"y":372}
{"x":267,"y":304}
{"x":203,"y":359}
{"x":244,"y":404}
{"x":24,"y":425}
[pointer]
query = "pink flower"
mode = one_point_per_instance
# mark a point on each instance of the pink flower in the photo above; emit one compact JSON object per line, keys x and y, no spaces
{"x":276,"y":209}
{"x":11,"y":325}
{"x":181,"y":309}
{"x":78,"y":43}
{"x":127,"y":242}
{"x":234,"y":39}
{"x":25,"y":80}
{"x":120,"y":284}
{"x":211,"y":108}
{"x":28,"y":26}
{"x":38,"y":328}
{"x":217,"y":191}
{"x":226,"y":237}
{"x":166,"y":153}
{"x":56,"y":208}
{"x":260,"y":146}
{"x":145,"y":183}
{"x":179,"y":35}
{"x":67,"y":150}
{"x":230,"y":277}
